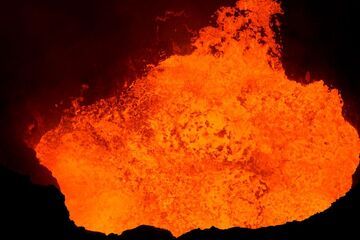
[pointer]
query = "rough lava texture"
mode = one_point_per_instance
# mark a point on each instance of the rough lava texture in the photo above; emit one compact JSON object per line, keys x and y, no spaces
{"x":224,"y":122}
{"x":30,"y":211}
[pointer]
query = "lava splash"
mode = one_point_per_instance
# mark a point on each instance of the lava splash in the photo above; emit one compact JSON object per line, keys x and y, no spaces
{"x":220,"y":137}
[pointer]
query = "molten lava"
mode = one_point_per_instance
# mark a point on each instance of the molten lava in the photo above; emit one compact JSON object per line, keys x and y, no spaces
{"x":220,"y":137}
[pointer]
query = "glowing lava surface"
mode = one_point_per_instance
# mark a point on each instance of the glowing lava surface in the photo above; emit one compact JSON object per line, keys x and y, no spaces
{"x":220,"y":137}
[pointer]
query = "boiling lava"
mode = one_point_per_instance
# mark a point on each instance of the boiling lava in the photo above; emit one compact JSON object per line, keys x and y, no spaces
{"x":220,"y":137}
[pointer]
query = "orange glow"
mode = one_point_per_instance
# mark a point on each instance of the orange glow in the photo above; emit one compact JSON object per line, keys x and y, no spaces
{"x":220,"y":137}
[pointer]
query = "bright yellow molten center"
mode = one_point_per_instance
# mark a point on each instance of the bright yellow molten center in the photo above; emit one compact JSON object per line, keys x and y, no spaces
{"x":220,"y":137}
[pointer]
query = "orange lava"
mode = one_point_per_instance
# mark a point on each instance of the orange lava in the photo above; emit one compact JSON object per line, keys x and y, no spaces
{"x":220,"y":137}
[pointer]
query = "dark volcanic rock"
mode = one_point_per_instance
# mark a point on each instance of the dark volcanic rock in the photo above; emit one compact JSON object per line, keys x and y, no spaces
{"x":146,"y":233}
{"x":31,"y":211}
